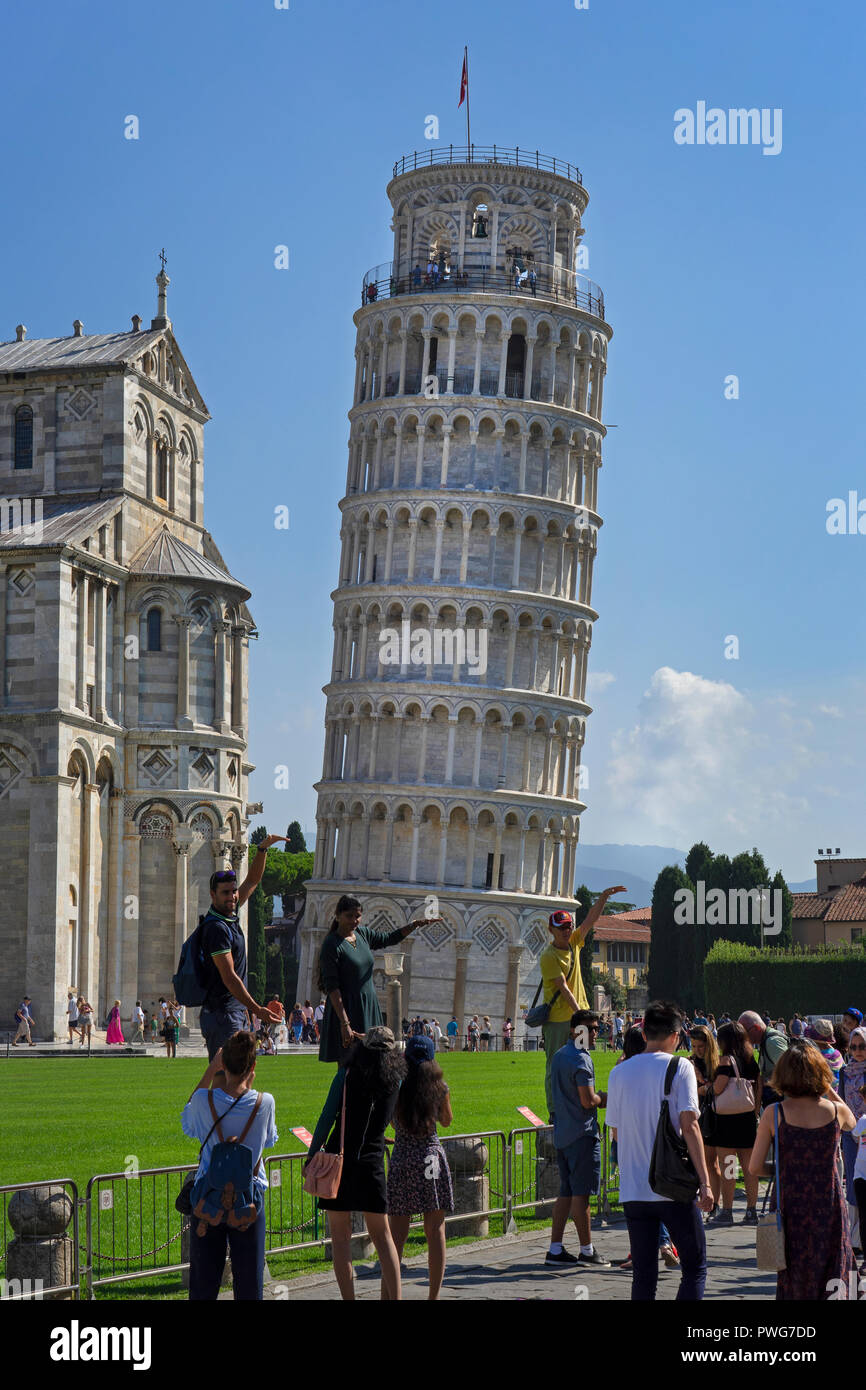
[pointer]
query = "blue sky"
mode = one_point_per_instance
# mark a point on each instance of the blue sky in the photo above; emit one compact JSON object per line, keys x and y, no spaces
{"x":261,"y":127}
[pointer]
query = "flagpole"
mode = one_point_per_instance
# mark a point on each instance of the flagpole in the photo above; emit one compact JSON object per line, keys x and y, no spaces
{"x":468,"y":139}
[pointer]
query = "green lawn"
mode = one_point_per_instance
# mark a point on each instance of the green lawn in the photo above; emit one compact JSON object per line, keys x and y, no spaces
{"x":78,"y":1118}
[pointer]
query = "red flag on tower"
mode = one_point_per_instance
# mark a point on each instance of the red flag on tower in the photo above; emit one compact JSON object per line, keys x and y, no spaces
{"x":464,"y":80}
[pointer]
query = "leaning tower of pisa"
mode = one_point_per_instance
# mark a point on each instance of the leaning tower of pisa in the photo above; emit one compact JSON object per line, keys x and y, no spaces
{"x":463,"y":612}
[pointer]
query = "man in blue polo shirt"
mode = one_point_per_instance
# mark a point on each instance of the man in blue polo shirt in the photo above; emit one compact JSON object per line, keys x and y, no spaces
{"x":227,"y":999}
{"x":577,"y":1140}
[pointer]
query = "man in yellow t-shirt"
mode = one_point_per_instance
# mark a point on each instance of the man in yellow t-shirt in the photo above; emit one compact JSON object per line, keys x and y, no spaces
{"x":560,"y":971}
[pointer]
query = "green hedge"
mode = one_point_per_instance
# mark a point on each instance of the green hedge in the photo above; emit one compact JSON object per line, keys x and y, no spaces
{"x":781,"y":981}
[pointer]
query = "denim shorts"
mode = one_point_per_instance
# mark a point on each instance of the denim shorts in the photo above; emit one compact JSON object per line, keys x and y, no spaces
{"x":580,"y":1167}
{"x":217,"y":1025}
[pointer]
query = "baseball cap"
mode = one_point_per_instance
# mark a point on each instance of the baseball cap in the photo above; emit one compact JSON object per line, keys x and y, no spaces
{"x":420,"y":1049}
{"x":560,"y":918}
{"x":379,"y":1039}
{"x":854,"y":1013}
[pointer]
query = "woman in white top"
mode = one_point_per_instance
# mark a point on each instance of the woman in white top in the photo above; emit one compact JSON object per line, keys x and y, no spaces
{"x":72,"y":1014}
{"x":230,"y":1075}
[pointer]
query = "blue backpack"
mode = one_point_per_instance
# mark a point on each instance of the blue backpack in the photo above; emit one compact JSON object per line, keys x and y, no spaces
{"x":224,"y":1194}
{"x":188,"y":983}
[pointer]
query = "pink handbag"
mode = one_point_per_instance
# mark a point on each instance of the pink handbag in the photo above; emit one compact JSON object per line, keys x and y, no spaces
{"x":324,"y":1171}
{"x":738,"y":1097}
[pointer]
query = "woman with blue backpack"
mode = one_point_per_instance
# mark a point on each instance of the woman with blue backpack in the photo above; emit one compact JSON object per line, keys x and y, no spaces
{"x":234,"y":1124}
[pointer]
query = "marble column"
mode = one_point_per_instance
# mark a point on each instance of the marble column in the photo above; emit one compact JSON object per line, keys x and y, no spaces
{"x":129,"y":942}
{"x":220,"y":721}
{"x":183,"y":627}
{"x":181,"y":850}
{"x":515,"y":954}
{"x":462,"y":949}
{"x":99,"y":711}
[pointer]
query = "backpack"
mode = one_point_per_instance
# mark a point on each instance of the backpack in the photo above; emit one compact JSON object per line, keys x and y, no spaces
{"x":224,"y":1194}
{"x":188,"y":983}
{"x":672,"y":1174}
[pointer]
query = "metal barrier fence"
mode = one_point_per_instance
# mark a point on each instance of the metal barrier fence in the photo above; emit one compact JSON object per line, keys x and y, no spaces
{"x":13,"y":1288}
{"x":133,"y":1230}
{"x":131,"y":1219}
{"x":478,"y":1169}
{"x":533,"y":1176}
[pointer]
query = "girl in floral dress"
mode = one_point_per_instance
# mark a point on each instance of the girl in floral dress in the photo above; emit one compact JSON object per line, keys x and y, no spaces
{"x":419,"y":1180}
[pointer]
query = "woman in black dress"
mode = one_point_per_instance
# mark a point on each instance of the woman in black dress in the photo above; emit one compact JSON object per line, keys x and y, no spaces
{"x":372,"y":1076}
{"x":734,"y":1134}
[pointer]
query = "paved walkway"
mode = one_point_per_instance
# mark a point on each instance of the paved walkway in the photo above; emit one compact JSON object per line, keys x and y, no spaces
{"x":512,"y":1268}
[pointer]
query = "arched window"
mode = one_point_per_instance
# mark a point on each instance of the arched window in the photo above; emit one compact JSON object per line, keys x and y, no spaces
{"x":162,"y":472}
{"x":24,"y":437}
{"x":154,"y":630}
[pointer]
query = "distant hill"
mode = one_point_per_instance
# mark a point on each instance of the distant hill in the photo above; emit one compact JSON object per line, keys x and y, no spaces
{"x":637,"y":866}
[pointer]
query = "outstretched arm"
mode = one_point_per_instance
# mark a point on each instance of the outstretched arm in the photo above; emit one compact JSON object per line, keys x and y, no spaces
{"x":257,"y":868}
{"x":580,"y":933}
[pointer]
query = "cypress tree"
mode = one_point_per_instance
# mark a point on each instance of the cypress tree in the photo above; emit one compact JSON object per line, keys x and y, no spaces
{"x":670,"y":964}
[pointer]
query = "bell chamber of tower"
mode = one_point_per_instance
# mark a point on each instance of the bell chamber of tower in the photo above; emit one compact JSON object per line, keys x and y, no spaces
{"x":470,"y":518}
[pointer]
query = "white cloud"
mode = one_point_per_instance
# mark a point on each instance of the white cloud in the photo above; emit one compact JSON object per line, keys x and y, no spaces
{"x":832,"y":710}
{"x":597,"y":681}
{"x":704,"y":761}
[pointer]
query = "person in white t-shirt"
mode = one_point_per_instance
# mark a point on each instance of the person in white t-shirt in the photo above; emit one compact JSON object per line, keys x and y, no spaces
{"x":635,"y":1092}
{"x":138,"y":1020}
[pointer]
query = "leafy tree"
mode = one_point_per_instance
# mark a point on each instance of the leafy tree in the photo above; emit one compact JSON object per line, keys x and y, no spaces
{"x":295,"y":842}
{"x":785,"y":939}
{"x":611,"y":986}
{"x":276,"y":983}
{"x":260,"y":910}
{"x":257,"y":916}
{"x":698,"y":861}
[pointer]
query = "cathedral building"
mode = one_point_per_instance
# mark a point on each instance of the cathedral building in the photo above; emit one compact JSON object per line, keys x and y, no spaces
{"x":123,"y":670}
{"x":456,"y":705}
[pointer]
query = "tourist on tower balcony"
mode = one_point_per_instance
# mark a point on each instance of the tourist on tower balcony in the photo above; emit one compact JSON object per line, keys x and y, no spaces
{"x":346,"y":964}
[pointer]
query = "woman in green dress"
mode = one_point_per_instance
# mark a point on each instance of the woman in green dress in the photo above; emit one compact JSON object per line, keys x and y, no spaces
{"x":346,"y":976}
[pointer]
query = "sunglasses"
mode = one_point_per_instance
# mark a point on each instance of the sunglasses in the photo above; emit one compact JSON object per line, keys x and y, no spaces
{"x":226,"y":877}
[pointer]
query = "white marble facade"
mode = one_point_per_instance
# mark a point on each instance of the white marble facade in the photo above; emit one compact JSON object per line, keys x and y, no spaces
{"x":471,"y":506}
{"x":123,"y":670}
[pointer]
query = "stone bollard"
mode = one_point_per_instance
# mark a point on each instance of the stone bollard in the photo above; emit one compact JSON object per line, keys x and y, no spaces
{"x":40,"y":1250}
{"x":546,"y":1173}
{"x":467,"y":1159}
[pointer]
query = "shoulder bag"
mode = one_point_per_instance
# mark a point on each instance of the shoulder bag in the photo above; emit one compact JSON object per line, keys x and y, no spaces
{"x":539,"y":1014}
{"x":672,"y":1174}
{"x":324,"y":1171}
{"x":770,"y":1234}
{"x":738,"y":1097}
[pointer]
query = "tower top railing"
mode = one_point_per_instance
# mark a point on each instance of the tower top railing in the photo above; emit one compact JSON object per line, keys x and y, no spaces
{"x":518,"y":276}
{"x":486,"y":154}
